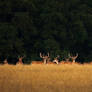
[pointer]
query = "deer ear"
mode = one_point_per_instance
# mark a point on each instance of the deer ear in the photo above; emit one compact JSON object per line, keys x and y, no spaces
{"x":40,"y":55}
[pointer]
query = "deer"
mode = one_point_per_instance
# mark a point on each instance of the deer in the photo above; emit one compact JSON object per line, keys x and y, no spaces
{"x":20,"y":59}
{"x":56,"y":60}
{"x":67,"y":59}
{"x":5,"y":61}
{"x":73,"y":57}
{"x":45,"y":58}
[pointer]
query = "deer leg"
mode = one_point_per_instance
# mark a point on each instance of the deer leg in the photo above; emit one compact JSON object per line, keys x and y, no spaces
{"x":57,"y":62}
{"x":44,"y":61}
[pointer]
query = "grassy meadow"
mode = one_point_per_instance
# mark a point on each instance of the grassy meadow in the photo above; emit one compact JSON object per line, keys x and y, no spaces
{"x":46,"y":78}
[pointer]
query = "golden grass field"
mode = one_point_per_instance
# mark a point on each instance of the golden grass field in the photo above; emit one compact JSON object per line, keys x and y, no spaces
{"x":46,"y":78}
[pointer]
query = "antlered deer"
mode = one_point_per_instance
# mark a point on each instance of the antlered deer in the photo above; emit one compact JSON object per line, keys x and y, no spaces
{"x":73,"y":57}
{"x":56,"y":60}
{"x":20,"y":60}
{"x":45,"y":58}
{"x":67,"y":60}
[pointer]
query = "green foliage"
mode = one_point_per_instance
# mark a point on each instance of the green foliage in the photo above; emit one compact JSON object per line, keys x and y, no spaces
{"x":28,"y":27}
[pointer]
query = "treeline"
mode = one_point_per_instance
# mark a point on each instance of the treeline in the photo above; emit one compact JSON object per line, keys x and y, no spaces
{"x":28,"y":27}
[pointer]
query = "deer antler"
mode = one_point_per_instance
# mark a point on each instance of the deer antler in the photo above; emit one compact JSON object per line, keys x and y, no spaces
{"x":20,"y":59}
{"x":45,"y":58}
{"x":41,"y":55}
{"x":74,"y":57}
{"x":69,"y":55}
{"x":48,"y":54}
{"x":22,"y":56}
{"x":58,"y":56}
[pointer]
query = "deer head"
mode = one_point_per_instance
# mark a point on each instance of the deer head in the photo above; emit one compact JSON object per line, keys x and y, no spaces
{"x":73,"y":57}
{"x":20,"y":59}
{"x":5,"y":61}
{"x":67,"y":58}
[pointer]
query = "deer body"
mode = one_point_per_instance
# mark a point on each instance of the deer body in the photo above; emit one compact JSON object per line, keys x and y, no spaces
{"x":5,"y":61}
{"x":45,"y":58}
{"x":56,"y":60}
{"x":20,"y":60}
{"x":73,"y":57}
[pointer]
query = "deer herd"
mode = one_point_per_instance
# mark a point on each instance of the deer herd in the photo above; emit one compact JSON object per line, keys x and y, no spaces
{"x":47,"y":60}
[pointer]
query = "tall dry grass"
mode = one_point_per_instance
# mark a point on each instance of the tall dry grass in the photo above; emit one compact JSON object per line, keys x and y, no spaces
{"x":46,"y":78}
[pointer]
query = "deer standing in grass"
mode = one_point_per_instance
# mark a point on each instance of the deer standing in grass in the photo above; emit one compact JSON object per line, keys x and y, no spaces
{"x":20,"y":60}
{"x":73,"y":57}
{"x":5,"y":61}
{"x":45,"y":58}
{"x":56,"y":60}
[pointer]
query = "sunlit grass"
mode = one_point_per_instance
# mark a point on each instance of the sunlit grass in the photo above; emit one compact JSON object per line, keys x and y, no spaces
{"x":46,"y":78}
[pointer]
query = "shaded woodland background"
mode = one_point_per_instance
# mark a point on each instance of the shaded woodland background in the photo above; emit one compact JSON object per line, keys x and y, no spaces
{"x":28,"y":27}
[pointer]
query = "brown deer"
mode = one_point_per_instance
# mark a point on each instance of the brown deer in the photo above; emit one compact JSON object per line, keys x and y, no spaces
{"x":73,"y":57}
{"x":56,"y":60}
{"x":45,"y":58}
{"x":5,"y":61}
{"x":20,"y":60}
{"x":67,"y":59}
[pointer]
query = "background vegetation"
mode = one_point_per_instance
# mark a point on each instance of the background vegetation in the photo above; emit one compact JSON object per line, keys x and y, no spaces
{"x":28,"y":27}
